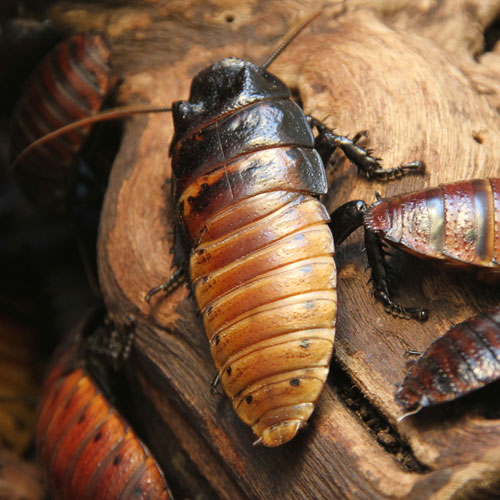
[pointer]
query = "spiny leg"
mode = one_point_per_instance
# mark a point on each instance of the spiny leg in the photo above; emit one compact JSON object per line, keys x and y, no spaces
{"x":344,"y":221}
{"x":176,"y":279}
{"x":327,"y":141}
{"x":110,"y":342}
{"x":379,"y":268}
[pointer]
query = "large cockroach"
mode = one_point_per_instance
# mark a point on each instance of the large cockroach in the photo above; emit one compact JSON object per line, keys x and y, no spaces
{"x":248,"y":172}
{"x":463,"y":360}
{"x":69,"y":84}
{"x":86,"y":448}
{"x":457,"y":224}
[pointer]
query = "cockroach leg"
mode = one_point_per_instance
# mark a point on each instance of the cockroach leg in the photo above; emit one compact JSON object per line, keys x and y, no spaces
{"x":327,"y":141}
{"x":347,"y":219}
{"x":214,"y":385}
{"x":110,"y":342}
{"x":257,"y":442}
{"x":379,"y":267}
{"x":176,"y":279}
{"x":413,"y":352}
{"x":359,"y":135}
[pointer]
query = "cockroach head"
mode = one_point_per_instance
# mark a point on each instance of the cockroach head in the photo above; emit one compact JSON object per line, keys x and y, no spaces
{"x":225,"y":86}
{"x":234,"y":81}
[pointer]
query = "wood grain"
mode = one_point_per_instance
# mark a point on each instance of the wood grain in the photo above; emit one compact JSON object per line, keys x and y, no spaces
{"x":404,"y":71}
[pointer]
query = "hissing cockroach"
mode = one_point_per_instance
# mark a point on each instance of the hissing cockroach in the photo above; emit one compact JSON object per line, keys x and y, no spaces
{"x":86,"y":448}
{"x":457,"y":224}
{"x":69,"y":84}
{"x":463,"y":360}
{"x":247,"y":173}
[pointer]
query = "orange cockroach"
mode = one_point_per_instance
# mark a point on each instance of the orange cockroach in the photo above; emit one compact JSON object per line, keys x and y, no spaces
{"x":87,"y":449}
{"x":247,"y":175}
{"x":248,"y":172}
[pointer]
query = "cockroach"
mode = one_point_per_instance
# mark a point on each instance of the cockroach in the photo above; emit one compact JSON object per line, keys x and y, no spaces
{"x":86,"y":448}
{"x":69,"y":84}
{"x":247,"y":174}
{"x":456,"y":224}
{"x":463,"y":360}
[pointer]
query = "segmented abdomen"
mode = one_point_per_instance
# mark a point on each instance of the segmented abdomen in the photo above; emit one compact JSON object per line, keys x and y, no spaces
{"x":457,"y":223}
{"x":466,"y":358}
{"x":262,"y":265}
{"x":86,"y":448}
{"x":70,"y":83}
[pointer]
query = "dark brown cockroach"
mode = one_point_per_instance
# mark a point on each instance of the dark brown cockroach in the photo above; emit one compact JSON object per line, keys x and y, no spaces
{"x":463,"y":360}
{"x":248,"y":172}
{"x":456,"y":224}
{"x":86,"y":448}
{"x":69,"y":84}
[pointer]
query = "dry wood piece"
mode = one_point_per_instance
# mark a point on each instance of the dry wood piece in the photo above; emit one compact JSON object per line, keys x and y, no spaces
{"x":392,"y":74}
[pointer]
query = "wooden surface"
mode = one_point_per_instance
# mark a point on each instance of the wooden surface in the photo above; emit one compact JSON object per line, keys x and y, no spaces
{"x":413,"y":75}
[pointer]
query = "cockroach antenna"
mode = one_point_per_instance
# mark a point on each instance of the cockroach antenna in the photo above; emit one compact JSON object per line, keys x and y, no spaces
{"x":113,"y":114}
{"x":288,"y":41}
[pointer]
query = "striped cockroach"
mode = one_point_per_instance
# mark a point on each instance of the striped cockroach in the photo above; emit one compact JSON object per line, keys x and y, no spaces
{"x":464,"y":359}
{"x":69,"y":84}
{"x":456,"y":224}
{"x":86,"y":448}
{"x":248,"y":172}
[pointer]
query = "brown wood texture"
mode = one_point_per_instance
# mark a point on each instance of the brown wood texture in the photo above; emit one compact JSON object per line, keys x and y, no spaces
{"x":411,"y":73}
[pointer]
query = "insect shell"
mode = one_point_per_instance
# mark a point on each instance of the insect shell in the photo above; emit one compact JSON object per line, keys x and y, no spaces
{"x":69,"y":84}
{"x":261,"y":254}
{"x":86,"y":448}
{"x":457,"y":224}
{"x":463,"y":360}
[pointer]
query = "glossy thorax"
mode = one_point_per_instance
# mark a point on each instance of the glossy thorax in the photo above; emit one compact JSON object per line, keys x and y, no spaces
{"x":236,"y":109}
